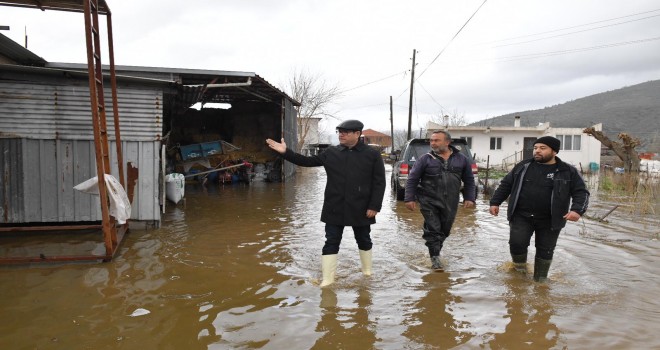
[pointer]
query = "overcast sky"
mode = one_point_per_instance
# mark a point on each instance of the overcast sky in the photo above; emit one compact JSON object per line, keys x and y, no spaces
{"x":511,"y":56}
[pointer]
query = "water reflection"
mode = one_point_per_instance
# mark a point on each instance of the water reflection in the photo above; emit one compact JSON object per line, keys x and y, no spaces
{"x":432,"y":325}
{"x":529,"y":311}
{"x":346,"y":325}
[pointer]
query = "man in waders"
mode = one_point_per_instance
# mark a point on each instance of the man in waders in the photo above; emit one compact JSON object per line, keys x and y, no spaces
{"x":353,"y":192}
{"x":540,"y":192}
{"x":435,"y":181}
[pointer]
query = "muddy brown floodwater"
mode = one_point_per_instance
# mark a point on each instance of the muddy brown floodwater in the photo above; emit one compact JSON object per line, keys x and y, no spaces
{"x":239,"y":266}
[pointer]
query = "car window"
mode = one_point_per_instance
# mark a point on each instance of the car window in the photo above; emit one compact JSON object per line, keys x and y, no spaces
{"x":416,"y":150}
{"x":464,"y":149}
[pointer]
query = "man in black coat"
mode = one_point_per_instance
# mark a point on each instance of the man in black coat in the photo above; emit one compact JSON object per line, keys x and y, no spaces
{"x":353,"y":193}
{"x":544,"y":193}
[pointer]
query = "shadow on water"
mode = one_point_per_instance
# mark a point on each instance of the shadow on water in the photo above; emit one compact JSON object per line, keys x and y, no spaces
{"x":239,"y":267}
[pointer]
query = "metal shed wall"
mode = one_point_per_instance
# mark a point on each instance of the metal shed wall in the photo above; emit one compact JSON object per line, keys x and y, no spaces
{"x":47,"y":147}
{"x":62,"y":111}
{"x":290,"y":132}
{"x":38,"y":178}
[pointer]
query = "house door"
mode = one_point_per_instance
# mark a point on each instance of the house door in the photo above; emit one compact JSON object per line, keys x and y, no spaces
{"x":528,"y":147}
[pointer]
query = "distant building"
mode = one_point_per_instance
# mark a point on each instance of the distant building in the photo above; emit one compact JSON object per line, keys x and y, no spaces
{"x":374,"y":137}
{"x":308,"y":132}
{"x":504,"y":146}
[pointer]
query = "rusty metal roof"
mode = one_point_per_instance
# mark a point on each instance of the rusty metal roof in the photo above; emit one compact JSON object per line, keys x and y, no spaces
{"x":58,"y":5}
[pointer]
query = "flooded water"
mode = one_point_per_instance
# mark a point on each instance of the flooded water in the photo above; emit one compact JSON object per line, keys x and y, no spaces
{"x":239,"y":267}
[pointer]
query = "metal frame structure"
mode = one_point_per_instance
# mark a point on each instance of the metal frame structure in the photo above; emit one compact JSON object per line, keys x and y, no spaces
{"x":112,"y":232}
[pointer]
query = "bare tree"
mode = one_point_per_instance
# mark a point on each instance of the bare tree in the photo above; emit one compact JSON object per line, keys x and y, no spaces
{"x":316,"y":97}
{"x":625,"y":149}
{"x":449,"y":119}
{"x":400,"y":137}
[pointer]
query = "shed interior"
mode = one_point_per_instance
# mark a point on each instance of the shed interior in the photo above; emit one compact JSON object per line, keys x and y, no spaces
{"x":215,"y":122}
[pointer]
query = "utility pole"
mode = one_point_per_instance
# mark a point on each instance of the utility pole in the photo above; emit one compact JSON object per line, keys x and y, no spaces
{"x":391,"y":124}
{"x":412,"y":81}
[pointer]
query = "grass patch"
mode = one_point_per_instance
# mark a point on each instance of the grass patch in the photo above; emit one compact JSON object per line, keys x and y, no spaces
{"x":492,"y":173}
{"x":637,"y":192}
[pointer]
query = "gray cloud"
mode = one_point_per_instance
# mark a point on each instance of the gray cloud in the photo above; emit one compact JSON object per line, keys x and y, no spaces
{"x":358,"y":43}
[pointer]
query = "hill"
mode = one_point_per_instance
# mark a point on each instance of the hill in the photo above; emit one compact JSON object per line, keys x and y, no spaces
{"x":632,"y":109}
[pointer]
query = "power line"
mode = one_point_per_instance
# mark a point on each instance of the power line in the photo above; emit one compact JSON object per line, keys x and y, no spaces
{"x":576,"y":32}
{"x":431,"y":96}
{"x":572,"y":27}
{"x":373,"y":82}
{"x":556,"y":53}
{"x":450,"y":41}
{"x":562,"y":52}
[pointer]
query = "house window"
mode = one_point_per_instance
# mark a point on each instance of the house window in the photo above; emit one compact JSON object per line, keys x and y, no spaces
{"x":577,"y":142}
{"x":570,"y":142}
{"x":468,"y":140}
{"x":495,"y":143}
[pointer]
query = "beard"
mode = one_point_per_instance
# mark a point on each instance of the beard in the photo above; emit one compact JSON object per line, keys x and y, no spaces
{"x":542,"y":159}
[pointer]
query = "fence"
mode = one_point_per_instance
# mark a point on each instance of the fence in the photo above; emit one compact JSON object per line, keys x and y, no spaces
{"x":509,"y":162}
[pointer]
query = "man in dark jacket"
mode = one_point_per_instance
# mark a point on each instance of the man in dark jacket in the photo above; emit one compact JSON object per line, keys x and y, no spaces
{"x":435,"y":180}
{"x":541,"y":191}
{"x":353,"y":193}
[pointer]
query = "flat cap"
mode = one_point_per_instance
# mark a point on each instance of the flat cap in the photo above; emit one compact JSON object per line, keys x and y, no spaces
{"x":351,"y":124}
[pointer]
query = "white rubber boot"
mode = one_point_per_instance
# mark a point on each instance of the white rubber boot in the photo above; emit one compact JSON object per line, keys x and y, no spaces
{"x":329,"y":268}
{"x":365,"y":259}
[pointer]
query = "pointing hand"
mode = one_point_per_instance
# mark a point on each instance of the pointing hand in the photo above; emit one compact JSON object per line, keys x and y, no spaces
{"x":276,"y":146}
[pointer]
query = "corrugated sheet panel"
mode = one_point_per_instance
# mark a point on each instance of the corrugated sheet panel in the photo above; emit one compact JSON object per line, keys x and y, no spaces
{"x":52,"y":111}
{"x":11,"y":187}
{"x":290,"y":126}
{"x":38,"y":178}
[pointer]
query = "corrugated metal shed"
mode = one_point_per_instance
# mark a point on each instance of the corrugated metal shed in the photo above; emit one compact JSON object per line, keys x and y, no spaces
{"x":193,"y":86}
{"x":47,"y":146}
{"x":46,"y":139}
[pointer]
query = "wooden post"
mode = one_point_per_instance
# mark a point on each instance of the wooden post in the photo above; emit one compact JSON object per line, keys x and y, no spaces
{"x":412,"y":81}
{"x":486,"y":190}
{"x":391,"y":125}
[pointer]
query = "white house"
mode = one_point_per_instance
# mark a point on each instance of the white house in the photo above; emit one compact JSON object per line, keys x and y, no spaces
{"x":504,"y":146}
{"x":308,"y":130}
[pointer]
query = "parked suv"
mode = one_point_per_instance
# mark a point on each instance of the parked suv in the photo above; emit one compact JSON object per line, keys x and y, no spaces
{"x":415,"y":148}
